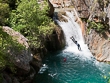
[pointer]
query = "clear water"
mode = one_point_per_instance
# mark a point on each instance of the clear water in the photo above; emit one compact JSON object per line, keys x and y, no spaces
{"x":74,"y":70}
{"x":79,"y":67}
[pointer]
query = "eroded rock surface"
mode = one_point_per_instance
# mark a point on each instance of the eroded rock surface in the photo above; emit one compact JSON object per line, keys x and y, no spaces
{"x":23,"y":57}
{"x":99,"y":45}
{"x":61,"y":3}
{"x":91,"y":8}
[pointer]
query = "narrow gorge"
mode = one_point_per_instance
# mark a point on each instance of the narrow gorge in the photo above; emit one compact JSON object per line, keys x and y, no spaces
{"x":37,"y":46}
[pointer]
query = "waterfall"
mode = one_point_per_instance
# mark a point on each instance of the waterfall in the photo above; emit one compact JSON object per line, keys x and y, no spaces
{"x":72,"y":28}
{"x":80,"y":66}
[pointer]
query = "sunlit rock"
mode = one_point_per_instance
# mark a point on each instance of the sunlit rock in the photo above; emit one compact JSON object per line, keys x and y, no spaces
{"x":61,"y":3}
{"x":20,"y":58}
{"x":99,"y":45}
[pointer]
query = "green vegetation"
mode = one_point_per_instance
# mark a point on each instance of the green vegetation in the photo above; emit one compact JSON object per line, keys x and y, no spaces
{"x":1,"y":78}
{"x":5,"y":9}
{"x":3,"y":47}
{"x":98,"y":26}
{"x":4,"y":13}
{"x":30,"y":19}
{"x":6,"y":42}
{"x":27,"y":17}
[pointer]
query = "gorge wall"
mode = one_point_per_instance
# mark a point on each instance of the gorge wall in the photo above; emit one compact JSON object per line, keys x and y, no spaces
{"x":89,"y":9}
{"x":98,"y":43}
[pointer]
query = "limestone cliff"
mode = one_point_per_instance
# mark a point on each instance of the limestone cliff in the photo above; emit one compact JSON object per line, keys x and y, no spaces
{"x":91,"y":8}
{"x":99,"y":45}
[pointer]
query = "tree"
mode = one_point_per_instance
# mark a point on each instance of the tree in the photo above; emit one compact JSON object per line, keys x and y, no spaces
{"x":4,"y":13}
{"x":30,"y":19}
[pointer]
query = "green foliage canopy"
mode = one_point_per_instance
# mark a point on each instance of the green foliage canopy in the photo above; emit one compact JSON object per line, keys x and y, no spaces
{"x":7,"y":43}
{"x":30,"y":19}
{"x":5,"y":8}
{"x":98,"y":26}
{"x":4,"y":13}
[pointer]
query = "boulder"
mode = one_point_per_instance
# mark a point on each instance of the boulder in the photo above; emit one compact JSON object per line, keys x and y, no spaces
{"x":20,"y":58}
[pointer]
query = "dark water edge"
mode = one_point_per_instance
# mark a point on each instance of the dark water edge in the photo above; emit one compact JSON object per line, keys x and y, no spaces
{"x":74,"y":70}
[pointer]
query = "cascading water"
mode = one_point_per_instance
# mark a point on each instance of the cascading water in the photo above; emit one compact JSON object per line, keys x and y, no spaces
{"x":72,"y":28}
{"x":79,"y":67}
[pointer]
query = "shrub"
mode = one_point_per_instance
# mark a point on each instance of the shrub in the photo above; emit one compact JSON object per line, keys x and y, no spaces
{"x":30,"y":19}
{"x":98,"y":26}
{"x":4,"y":13}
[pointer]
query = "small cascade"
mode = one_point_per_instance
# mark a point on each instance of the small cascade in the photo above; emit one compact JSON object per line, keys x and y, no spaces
{"x":72,"y":28}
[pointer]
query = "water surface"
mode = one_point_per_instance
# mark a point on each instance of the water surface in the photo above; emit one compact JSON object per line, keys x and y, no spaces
{"x":79,"y":67}
{"x":76,"y":69}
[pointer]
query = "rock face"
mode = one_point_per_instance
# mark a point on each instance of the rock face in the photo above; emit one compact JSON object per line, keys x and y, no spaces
{"x":51,"y":8}
{"x":61,"y":3}
{"x":21,"y":59}
{"x":55,"y":41}
{"x":51,"y":11}
{"x":82,"y":7}
{"x":99,"y":45}
{"x":91,"y":8}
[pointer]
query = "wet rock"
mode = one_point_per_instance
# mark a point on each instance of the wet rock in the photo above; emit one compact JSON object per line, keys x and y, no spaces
{"x":56,"y":40}
{"x":61,"y":18}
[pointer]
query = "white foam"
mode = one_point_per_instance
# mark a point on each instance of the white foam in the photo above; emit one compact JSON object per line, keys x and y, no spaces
{"x":72,"y":28}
